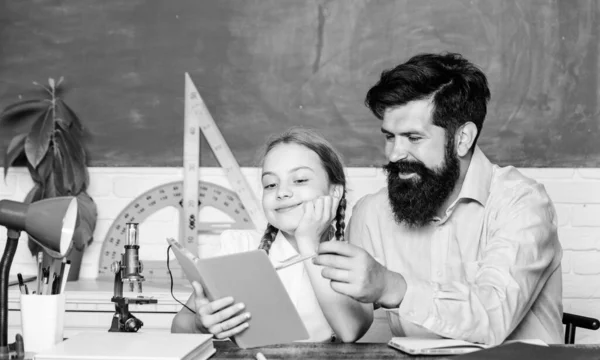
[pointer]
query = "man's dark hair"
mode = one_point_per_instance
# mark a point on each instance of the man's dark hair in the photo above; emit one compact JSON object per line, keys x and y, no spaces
{"x":459,"y":90}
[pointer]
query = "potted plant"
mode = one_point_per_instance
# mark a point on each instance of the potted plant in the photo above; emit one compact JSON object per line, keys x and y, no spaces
{"x":53,"y":151}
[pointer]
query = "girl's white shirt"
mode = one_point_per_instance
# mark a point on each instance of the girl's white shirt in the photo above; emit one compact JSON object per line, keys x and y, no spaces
{"x":294,"y":278}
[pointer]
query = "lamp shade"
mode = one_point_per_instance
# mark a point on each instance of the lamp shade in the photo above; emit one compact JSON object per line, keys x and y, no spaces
{"x":50,"y":222}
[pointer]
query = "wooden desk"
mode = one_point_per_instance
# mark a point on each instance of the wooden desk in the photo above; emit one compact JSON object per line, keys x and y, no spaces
{"x":366,"y":351}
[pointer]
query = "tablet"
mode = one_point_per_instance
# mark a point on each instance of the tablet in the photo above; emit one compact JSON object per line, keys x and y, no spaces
{"x":248,"y":277}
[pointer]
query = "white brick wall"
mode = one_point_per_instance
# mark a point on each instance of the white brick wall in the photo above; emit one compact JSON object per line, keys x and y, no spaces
{"x":576,"y":193}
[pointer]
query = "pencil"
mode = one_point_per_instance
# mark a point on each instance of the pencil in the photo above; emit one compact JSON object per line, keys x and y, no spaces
{"x":22,"y":287}
{"x":40,"y":260}
{"x":55,"y":283}
{"x":45,"y":285}
{"x":61,"y":275}
{"x":65,"y":276}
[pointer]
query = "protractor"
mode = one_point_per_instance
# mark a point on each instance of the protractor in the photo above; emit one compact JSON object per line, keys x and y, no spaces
{"x":171,"y":194}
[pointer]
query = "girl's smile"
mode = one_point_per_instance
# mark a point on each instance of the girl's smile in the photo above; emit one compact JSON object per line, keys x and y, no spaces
{"x":285,"y":209}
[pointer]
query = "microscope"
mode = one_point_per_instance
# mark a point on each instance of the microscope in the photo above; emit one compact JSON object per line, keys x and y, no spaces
{"x":128,"y":270}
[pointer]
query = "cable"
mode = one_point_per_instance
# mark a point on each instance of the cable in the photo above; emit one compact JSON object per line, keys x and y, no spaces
{"x":171,"y":276}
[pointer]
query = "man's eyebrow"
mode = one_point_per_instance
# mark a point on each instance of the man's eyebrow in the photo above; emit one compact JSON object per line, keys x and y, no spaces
{"x":405,"y":133}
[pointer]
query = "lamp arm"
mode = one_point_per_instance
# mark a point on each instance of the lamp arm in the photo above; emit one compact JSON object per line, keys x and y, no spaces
{"x":12,"y":242}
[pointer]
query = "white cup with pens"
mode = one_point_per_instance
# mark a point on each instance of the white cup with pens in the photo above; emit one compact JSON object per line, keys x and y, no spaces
{"x":42,"y":321}
{"x":43,"y":309}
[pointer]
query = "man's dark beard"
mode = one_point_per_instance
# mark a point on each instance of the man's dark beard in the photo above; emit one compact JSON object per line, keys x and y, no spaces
{"x":416,"y":201}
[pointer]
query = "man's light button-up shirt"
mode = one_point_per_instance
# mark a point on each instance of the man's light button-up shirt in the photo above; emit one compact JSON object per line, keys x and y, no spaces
{"x":488,"y":271}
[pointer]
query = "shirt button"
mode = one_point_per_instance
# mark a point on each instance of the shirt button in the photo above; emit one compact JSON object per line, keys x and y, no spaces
{"x":411,"y":313}
{"x":439,"y":273}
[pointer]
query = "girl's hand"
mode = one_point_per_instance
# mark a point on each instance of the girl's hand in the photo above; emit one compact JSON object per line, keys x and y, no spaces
{"x":221,"y":317}
{"x":317,"y":218}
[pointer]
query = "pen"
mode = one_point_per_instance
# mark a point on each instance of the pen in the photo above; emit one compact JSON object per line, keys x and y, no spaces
{"x":40,"y":259}
{"x":45,"y":285}
{"x":26,"y":279}
{"x":22,"y":286}
{"x":54,"y":284}
{"x":65,"y":276}
{"x":61,"y":275}
{"x":294,"y":261}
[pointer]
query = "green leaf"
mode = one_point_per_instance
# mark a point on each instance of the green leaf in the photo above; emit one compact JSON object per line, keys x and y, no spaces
{"x":51,"y":83}
{"x":22,"y":108}
{"x":38,"y":140}
{"x":69,"y":116}
{"x":87,"y":215}
{"x":44,"y":169}
{"x":73,"y":145}
{"x":15,"y":148}
{"x":50,"y":187}
{"x":73,"y":162}
{"x":63,"y":169}
{"x":34,"y":174}
{"x":61,"y":181}
{"x":33,"y":195}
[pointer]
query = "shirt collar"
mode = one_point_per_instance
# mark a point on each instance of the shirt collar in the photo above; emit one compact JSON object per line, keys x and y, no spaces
{"x":478,"y":178}
{"x":281,"y":249}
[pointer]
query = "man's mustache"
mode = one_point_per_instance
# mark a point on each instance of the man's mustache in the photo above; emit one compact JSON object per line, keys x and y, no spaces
{"x":405,"y":167}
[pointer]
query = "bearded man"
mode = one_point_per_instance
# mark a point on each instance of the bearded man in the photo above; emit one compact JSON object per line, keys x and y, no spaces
{"x":454,"y":246}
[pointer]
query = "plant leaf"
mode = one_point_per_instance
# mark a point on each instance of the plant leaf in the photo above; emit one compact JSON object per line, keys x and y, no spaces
{"x":22,"y":108}
{"x":51,"y":83}
{"x":34,"y":174}
{"x":87,"y":215}
{"x":50,"y":186}
{"x":15,"y":148}
{"x":69,"y":116}
{"x":73,"y":145}
{"x":63,"y":168}
{"x":61,"y":175}
{"x":44,"y":169}
{"x":33,"y":195}
{"x":74,"y":167}
{"x":38,"y":140}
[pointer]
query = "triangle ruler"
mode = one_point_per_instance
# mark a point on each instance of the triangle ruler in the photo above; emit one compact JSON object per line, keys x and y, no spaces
{"x":189,"y":196}
{"x":198,"y":119}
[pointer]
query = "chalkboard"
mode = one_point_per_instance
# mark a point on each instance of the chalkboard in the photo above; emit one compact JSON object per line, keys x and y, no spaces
{"x":265,"y":65}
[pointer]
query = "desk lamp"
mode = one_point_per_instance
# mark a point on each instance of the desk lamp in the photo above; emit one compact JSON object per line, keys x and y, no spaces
{"x":50,"y":223}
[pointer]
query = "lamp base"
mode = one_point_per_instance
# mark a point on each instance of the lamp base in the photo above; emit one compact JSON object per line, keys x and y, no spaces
{"x":12,"y":241}
{"x":15,"y":350}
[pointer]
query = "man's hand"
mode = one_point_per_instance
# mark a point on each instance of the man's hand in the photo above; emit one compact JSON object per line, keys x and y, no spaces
{"x":355,"y":273}
{"x":221,"y":317}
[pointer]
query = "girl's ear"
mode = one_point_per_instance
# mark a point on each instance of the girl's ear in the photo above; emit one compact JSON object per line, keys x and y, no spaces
{"x":336,"y":190}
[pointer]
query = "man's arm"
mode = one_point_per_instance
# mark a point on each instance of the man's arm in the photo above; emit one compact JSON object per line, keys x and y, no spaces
{"x":521,"y":253}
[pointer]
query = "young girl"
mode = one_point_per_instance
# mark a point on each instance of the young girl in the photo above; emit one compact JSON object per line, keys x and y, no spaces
{"x":304,"y":192}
